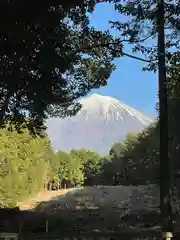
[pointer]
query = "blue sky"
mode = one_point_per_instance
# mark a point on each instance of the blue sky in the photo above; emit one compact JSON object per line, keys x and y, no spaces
{"x":128,"y":83}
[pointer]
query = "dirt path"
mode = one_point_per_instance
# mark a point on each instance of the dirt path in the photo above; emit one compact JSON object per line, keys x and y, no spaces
{"x":44,"y":196}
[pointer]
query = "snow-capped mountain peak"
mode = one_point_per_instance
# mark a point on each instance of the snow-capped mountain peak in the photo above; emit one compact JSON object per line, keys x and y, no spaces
{"x":110,"y":108}
{"x":101,"y":121}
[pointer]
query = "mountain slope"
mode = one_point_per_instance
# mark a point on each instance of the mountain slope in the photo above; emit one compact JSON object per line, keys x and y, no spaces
{"x":101,"y":121}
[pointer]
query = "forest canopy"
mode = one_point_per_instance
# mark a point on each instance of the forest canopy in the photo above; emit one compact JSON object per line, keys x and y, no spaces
{"x":50,"y":63}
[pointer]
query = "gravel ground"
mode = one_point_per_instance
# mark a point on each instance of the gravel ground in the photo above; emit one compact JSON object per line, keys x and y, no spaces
{"x":101,"y":208}
{"x":112,"y":206}
{"x":122,"y":198}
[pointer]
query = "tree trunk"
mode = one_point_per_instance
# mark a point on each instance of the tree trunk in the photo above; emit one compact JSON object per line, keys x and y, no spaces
{"x":165,"y":201}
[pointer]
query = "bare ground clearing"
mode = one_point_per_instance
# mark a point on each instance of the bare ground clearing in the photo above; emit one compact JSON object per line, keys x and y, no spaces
{"x":99,"y":208}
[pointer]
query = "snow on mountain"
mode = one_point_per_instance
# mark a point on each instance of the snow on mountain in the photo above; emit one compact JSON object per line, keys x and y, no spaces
{"x":109,"y":108}
{"x":101,"y":121}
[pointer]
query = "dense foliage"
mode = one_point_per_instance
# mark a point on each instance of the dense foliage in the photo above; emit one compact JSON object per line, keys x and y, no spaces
{"x":138,"y":26}
{"x":24,"y":165}
{"x":46,"y":62}
{"x":28,"y":164}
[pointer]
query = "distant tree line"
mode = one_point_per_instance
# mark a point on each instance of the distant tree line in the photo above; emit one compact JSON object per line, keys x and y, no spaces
{"x":28,"y":165}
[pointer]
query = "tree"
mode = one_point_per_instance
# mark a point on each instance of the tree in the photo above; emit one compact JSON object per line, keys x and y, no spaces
{"x":67,"y":169}
{"x":25,"y":165}
{"x":141,"y":31}
{"x":174,"y":117}
{"x":135,"y":31}
{"x":109,"y":169}
{"x":131,"y":138}
{"x":141,"y":159}
{"x":91,"y":165}
{"x":112,"y":166}
{"x":117,"y":149}
{"x":165,"y":188}
{"x":44,"y":65}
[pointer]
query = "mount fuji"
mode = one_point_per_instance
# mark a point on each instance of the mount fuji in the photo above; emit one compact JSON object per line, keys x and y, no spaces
{"x":101,"y":121}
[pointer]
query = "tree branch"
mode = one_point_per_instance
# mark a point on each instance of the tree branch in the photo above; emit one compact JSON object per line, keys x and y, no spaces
{"x":108,"y":45}
{"x":146,"y":38}
{"x":98,"y":45}
{"x":138,"y":58}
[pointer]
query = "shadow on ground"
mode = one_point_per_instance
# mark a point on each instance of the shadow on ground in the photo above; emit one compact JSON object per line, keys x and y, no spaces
{"x":98,"y":208}
{"x":101,"y":208}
